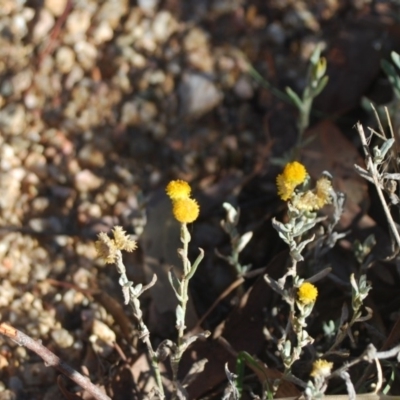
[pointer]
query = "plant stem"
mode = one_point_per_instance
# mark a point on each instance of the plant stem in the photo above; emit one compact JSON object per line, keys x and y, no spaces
{"x":184,"y":286}
{"x":137,"y":312}
{"x":182,"y":299}
{"x":375,"y":175}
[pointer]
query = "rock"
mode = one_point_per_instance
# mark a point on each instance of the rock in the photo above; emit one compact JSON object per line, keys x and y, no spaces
{"x":48,"y":225}
{"x":195,"y":38}
{"x":164,"y":25}
{"x":56,"y":7}
{"x":147,"y":40}
{"x":136,"y":59}
{"x":201,"y":60}
{"x":65,"y":59}
{"x":111,"y":193}
{"x":147,"y":111}
{"x":39,"y":204}
{"x":90,"y":156}
{"x":102,"y":338}
{"x":78,"y":23}
{"x":62,"y":338}
{"x":85,"y":181}
{"x":130,"y":113}
{"x":102,"y":33}
{"x":86,"y":53}
{"x":37,"y":164}
{"x":74,"y":76}
{"x":243,"y":88}
{"x":8,"y":158}
{"x":21,"y":81}
{"x":198,"y":94}
{"x":32,"y":101}
{"x":6,"y":88}
{"x":19,"y":26}
{"x":112,"y":11}
{"x":88,"y":211}
{"x":13,"y":119}
{"x":43,"y":26}
{"x":103,"y":332}
{"x":276,"y":33}
{"x":148,"y":6}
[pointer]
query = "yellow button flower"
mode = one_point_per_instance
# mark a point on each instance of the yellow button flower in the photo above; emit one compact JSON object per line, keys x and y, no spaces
{"x":307,"y":293}
{"x":321,"y":368}
{"x":293,"y":175}
{"x":185,"y":210}
{"x":178,"y":189}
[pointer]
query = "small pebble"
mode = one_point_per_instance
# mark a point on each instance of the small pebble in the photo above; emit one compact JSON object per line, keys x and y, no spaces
{"x":148,"y":6}
{"x":56,"y":7}
{"x":198,"y":94}
{"x":65,"y":59}
{"x":86,"y":54}
{"x":62,"y":338}
{"x":78,"y":23}
{"x":86,"y":181}
{"x":43,"y":26}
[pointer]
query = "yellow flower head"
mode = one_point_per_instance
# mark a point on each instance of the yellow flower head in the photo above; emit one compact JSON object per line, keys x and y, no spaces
{"x":314,"y":199}
{"x":185,"y":210}
{"x":178,"y":190}
{"x":293,"y":175}
{"x":295,"y":172}
{"x":323,"y":191}
{"x":122,"y":239}
{"x":307,"y":293}
{"x":108,"y":248}
{"x":285,"y":188}
{"x":321,"y":368}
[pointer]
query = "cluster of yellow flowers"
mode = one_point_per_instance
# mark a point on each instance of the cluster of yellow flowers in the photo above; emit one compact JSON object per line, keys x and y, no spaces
{"x":184,"y":208}
{"x":293,"y":175}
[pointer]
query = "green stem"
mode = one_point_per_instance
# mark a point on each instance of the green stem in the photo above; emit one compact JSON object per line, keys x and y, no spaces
{"x":184,"y":283}
{"x":304,"y":118}
{"x":183,"y":299}
{"x":154,"y":364}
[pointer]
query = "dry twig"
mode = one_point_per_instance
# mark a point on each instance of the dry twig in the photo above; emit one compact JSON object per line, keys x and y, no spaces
{"x":52,"y":360}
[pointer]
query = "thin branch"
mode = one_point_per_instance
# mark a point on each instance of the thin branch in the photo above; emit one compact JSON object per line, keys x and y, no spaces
{"x":52,"y":360}
{"x":225,"y":293}
{"x":379,"y":382}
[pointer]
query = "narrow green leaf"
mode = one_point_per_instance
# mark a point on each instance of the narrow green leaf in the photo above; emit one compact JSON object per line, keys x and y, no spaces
{"x":196,"y":264}
{"x":240,"y":364}
{"x":294,"y":98}
{"x":173,"y":280}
